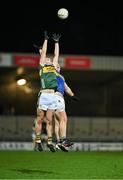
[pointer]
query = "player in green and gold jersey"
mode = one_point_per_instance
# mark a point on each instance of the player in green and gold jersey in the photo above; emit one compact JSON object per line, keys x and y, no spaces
{"x":47,"y":101}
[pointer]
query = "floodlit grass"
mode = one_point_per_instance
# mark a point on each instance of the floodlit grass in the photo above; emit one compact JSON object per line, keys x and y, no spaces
{"x":61,"y":165}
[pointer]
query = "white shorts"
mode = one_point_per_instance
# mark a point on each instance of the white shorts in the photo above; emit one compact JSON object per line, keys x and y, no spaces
{"x":47,"y":101}
{"x":60,"y":103}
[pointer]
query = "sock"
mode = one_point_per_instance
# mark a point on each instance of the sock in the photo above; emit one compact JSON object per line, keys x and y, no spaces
{"x":49,"y":141}
{"x":38,"y":138}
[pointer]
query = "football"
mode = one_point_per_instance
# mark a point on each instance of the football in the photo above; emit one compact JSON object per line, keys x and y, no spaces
{"x":63,"y":13}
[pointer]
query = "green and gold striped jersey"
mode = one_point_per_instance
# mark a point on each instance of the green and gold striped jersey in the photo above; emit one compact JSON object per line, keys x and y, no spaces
{"x":48,"y":77}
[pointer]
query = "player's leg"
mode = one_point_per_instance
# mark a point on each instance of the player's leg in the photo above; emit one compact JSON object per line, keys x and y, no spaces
{"x":49,"y":115}
{"x":57,"y":131}
{"x":38,"y":125}
{"x":38,"y":128}
{"x":57,"y":128}
{"x":44,"y":136}
{"x":34,"y":141}
{"x":62,"y":116}
{"x":62,"y":119}
{"x":34,"y":135}
{"x":64,"y":142}
{"x":41,"y":111}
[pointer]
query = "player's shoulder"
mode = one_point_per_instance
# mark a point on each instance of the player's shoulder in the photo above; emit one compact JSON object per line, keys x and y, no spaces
{"x":61,"y":76}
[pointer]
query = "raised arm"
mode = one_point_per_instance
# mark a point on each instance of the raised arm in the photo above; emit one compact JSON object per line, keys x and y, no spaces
{"x":43,"y":50}
{"x":56,"y":38}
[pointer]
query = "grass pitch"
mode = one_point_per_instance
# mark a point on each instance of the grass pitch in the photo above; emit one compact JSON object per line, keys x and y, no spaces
{"x":61,"y":165}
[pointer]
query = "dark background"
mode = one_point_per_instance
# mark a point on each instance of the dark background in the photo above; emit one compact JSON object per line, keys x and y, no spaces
{"x":92,"y":27}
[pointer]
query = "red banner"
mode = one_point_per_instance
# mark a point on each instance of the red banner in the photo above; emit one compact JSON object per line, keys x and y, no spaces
{"x":77,"y":62}
{"x":26,"y":61}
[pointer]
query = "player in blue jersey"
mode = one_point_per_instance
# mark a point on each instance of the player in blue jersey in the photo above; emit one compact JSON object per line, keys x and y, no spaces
{"x":60,"y":115}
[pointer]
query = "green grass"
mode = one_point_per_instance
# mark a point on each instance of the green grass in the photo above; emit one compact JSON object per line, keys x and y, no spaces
{"x":61,"y":165}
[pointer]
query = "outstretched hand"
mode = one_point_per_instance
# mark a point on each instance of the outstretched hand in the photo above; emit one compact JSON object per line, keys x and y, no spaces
{"x":46,"y":35}
{"x":74,"y":98}
{"x":56,"y":37}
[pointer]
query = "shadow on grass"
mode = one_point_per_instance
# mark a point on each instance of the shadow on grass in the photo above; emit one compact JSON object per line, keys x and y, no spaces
{"x":30,"y":171}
